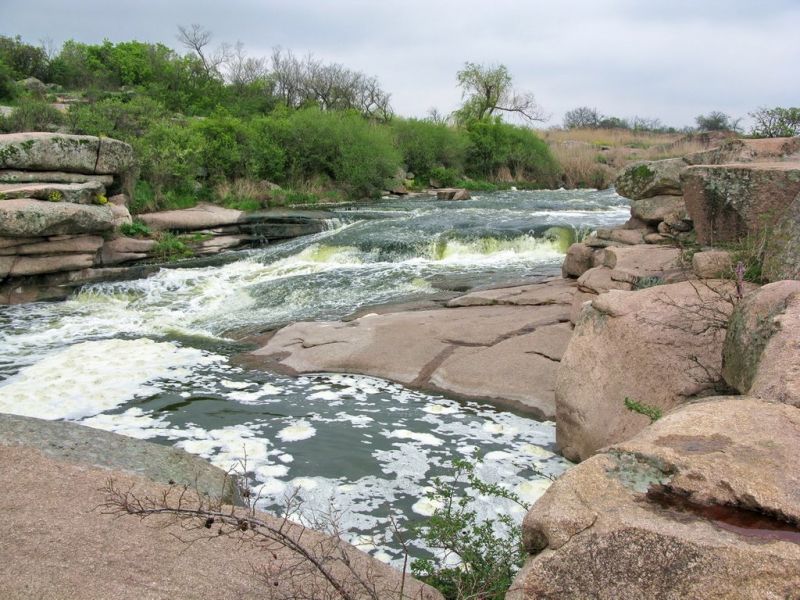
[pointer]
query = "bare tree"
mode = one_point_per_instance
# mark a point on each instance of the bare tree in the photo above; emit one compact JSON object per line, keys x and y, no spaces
{"x":243,"y":70}
{"x":196,"y":38}
{"x":330,"y":86}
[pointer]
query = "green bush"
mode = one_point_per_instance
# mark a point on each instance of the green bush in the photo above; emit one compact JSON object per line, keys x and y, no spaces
{"x":32,"y":115}
{"x":170,"y":247}
{"x":135,"y":229}
{"x":121,"y":118}
{"x":8,"y":86}
{"x":426,"y":146}
{"x":343,"y":146}
{"x":494,"y":144}
{"x":488,"y":553}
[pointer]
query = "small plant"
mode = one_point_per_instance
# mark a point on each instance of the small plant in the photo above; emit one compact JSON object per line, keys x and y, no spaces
{"x":55,"y":196}
{"x":135,"y":229}
{"x":100,"y":199}
{"x":652,"y":412}
{"x":170,"y":247}
{"x":479,"y":559}
{"x":648,"y":282}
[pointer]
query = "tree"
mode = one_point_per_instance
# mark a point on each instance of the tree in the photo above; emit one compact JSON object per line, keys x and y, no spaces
{"x":488,"y":90}
{"x":716,"y":121}
{"x":582,"y":117}
{"x":776,"y":122}
{"x":196,"y":39}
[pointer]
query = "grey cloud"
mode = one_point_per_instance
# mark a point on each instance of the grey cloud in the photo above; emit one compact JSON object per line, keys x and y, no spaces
{"x":671,"y":59}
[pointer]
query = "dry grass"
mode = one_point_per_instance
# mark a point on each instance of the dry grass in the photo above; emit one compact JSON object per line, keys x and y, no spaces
{"x":593,"y":157}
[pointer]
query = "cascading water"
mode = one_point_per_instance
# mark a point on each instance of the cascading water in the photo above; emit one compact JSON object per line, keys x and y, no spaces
{"x":150,"y":358}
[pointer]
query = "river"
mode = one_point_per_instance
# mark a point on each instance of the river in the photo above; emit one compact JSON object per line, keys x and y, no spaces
{"x":151,"y":358}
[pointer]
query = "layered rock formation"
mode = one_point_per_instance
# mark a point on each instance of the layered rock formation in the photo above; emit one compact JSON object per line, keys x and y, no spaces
{"x":63,"y":202}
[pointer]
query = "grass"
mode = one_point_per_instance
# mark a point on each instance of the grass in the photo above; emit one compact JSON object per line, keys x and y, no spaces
{"x":135,"y":229}
{"x":652,"y":412}
{"x":170,"y":247}
{"x":593,"y":157}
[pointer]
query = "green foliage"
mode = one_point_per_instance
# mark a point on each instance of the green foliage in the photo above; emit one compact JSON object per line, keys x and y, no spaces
{"x":648,"y":282}
{"x":123,"y":118}
{"x":170,"y":247}
{"x":776,"y":122}
{"x":494,"y":144}
{"x":487,"y":554}
{"x":135,"y":229}
{"x":426,"y":146}
{"x":716,"y":121}
{"x":31,"y":115}
{"x":444,"y":177}
{"x":342,"y":146}
{"x":23,"y":60}
{"x":651,"y":412}
{"x":8,"y":86}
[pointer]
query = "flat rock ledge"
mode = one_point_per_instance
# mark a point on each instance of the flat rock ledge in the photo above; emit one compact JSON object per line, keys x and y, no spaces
{"x":502,"y":345}
{"x":59,"y":542}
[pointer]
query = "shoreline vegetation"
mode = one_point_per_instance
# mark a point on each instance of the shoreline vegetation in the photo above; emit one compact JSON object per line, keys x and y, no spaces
{"x":244,"y":132}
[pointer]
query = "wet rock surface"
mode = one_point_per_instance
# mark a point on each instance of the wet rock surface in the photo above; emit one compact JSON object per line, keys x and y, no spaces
{"x":516,"y":334}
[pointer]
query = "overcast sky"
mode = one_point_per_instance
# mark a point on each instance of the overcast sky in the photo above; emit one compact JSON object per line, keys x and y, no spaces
{"x":654,"y":58}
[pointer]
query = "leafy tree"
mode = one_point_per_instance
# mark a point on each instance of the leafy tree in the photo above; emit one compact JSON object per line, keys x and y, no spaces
{"x":716,"y":121}
{"x":776,"y":122}
{"x":582,"y":117}
{"x":427,"y":145}
{"x":23,"y":60}
{"x":8,"y":87}
{"x":487,"y":90}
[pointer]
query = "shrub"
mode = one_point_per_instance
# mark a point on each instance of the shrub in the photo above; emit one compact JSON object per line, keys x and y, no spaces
{"x":170,"y":247}
{"x":776,"y":122}
{"x":121,"y":118}
{"x":135,"y":229}
{"x":426,"y":146}
{"x":488,"y":554}
{"x":494,"y":144}
{"x":32,"y":115}
{"x":358,"y":155}
{"x":8,"y":87}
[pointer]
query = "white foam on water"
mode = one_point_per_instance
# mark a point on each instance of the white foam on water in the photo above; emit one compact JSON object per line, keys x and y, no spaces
{"x":423,"y":438}
{"x":94,"y":377}
{"x":301,"y":430}
{"x":441,"y":409}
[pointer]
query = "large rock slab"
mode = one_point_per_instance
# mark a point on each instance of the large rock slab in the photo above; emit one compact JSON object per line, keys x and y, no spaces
{"x":761,"y":356}
{"x":31,"y":218}
{"x":60,"y":543}
{"x":519,"y":371}
{"x":61,"y":152}
{"x":661,"y":346}
{"x":57,"y":245}
{"x":88,"y":192}
{"x":699,"y":505}
{"x":8,"y":176}
{"x":729,"y":202}
{"x":202,"y":216}
{"x":648,"y":179}
{"x":494,"y":351}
